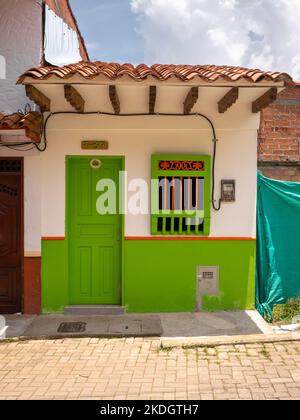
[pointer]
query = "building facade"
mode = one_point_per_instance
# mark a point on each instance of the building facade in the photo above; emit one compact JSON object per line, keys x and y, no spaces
{"x":151,"y":123}
{"x":177,"y":145}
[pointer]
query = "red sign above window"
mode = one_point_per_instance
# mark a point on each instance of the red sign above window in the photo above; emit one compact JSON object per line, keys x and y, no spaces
{"x":181,"y":165}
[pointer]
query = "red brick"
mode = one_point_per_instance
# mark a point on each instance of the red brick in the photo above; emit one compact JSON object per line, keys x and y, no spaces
{"x":282,"y":173}
{"x":279,"y":135}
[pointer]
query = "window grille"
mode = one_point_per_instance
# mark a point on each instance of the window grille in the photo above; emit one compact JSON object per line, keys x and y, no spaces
{"x":180,"y":195}
{"x":10,"y":165}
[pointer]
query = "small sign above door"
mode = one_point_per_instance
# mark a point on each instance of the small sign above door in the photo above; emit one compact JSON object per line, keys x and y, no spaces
{"x":94,"y":145}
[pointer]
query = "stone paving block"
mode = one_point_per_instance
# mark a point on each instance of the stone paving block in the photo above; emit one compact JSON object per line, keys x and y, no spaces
{"x":100,"y":369}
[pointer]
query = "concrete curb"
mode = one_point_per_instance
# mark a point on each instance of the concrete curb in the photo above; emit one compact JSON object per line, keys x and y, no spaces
{"x":24,"y":338}
{"x":178,"y":342}
{"x":173,"y":342}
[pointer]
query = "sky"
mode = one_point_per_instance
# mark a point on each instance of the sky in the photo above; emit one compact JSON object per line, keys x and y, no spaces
{"x":252,"y":33}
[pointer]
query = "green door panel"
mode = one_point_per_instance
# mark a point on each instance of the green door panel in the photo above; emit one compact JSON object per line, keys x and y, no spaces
{"x":94,"y":239}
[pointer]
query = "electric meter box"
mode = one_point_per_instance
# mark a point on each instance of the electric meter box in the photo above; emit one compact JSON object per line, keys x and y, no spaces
{"x":207,"y":283}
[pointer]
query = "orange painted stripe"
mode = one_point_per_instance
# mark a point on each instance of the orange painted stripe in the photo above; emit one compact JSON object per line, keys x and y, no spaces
{"x":186,"y":238}
{"x":167,"y":238}
{"x":53,"y":238}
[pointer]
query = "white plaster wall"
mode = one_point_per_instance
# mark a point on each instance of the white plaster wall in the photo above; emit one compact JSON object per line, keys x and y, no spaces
{"x":32,"y":196}
{"x":20,"y":45}
{"x":236,"y":160}
{"x":33,"y":204}
{"x":44,"y":183}
{"x":137,"y":138}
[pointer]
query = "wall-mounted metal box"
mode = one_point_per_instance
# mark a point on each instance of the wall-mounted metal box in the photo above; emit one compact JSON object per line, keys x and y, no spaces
{"x":207,"y":283}
{"x":228,"y":188}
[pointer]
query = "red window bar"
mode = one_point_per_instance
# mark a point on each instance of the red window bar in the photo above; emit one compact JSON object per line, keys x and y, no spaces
{"x":189,"y":191}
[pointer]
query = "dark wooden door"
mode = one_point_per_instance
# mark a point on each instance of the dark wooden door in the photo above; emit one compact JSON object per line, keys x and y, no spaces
{"x":11,"y":235}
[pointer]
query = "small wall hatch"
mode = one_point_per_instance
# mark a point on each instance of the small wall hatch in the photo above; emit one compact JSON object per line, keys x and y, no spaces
{"x":207,"y":283}
{"x":72,"y":327}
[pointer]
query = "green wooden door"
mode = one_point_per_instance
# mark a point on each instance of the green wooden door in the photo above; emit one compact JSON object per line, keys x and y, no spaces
{"x":94,"y":239}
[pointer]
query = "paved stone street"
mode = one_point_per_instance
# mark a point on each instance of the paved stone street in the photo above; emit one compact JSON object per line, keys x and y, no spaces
{"x":139,"y":369}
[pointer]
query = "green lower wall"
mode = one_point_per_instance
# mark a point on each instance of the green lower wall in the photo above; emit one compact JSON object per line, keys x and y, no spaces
{"x":160,"y":276}
{"x":55,"y":292}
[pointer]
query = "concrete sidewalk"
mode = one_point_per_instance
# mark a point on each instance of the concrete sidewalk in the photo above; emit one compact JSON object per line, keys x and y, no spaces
{"x":171,"y":327}
{"x":179,"y":364}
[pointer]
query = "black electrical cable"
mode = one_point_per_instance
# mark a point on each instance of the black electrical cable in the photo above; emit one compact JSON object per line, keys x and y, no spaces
{"x":20,"y":150}
{"x":213,"y":201}
{"x":41,"y":149}
{"x":18,"y":146}
{"x":163,"y":114}
{"x":15,"y":144}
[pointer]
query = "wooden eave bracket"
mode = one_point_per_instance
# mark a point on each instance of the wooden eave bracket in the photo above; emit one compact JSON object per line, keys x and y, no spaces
{"x":38,"y":97}
{"x":152,"y":99}
{"x":74,"y":98}
{"x":228,"y":100}
{"x":33,"y":124}
{"x":114,"y":99}
{"x":191,"y":99}
{"x":265,"y":100}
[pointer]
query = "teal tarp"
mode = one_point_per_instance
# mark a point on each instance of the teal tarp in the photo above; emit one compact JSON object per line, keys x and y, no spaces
{"x":278,"y":243}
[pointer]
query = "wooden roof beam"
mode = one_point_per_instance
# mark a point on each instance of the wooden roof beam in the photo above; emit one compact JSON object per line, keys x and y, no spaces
{"x":190,"y":100}
{"x":228,"y":100}
{"x":38,"y":97}
{"x":114,"y":99}
{"x":152,"y":99}
{"x":74,"y":98}
{"x":265,"y":100}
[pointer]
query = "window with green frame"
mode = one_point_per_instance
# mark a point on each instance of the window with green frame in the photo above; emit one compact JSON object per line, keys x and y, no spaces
{"x":181,"y":195}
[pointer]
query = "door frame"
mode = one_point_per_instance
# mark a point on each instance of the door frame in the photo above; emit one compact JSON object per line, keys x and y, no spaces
{"x":22,"y":239}
{"x":122,"y":160}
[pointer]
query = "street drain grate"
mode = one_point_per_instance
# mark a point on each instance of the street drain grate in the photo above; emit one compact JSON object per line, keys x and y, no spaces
{"x":72,"y":327}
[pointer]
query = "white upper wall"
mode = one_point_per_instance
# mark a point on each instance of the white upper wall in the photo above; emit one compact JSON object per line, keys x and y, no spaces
{"x":236,"y":160}
{"x":20,"y":48}
{"x":137,"y":138}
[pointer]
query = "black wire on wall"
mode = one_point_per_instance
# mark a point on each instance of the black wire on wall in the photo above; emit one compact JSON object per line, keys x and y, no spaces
{"x":162,"y":114}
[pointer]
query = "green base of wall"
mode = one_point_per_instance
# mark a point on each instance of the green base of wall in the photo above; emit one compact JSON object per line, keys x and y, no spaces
{"x":55,"y":290}
{"x":160,"y":275}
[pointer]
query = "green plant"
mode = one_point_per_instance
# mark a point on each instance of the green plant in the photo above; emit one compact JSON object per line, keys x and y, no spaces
{"x":286,"y":312}
{"x":165,"y":349}
{"x":265,"y":353}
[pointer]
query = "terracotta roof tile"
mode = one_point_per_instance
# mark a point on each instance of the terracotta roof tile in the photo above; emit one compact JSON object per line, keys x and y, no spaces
{"x":89,"y":70}
{"x":32,"y":123}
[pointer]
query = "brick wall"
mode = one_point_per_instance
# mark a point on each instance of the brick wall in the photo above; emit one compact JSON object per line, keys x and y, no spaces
{"x":279,"y":137}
